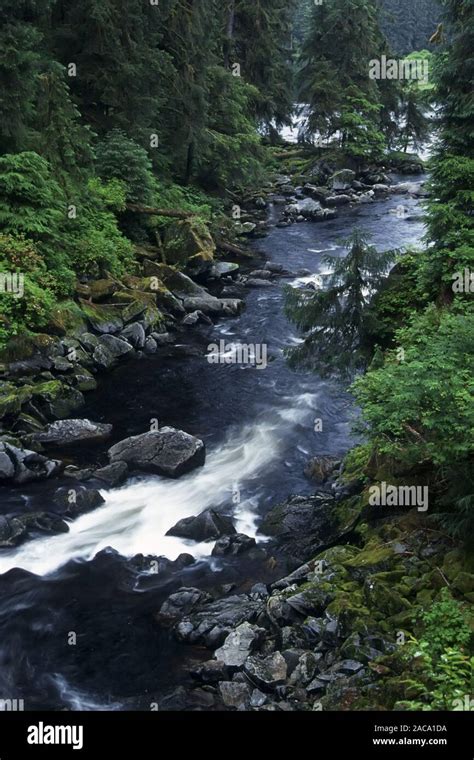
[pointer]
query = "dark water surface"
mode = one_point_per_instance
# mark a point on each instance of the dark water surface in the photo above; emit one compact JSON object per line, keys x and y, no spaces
{"x":258,"y":426}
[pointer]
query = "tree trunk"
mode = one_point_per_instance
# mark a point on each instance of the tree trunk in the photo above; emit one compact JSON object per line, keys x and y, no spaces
{"x":175,"y":213}
{"x":229,"y":38}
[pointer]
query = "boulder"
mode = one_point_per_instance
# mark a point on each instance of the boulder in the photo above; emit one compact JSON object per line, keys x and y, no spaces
{"x":113,"y":474}
{"x":321,"y":468}
{"x":104,"y":320}
{"x":20,"y":466}
{"x":235,"y":694}
{"x":70,"y":432}
{"x":207,"y":526}
{"x":302,"y":524}
{"x":187,"y":240}
{"x":231,"y":545}
{"x":135,"y":335}
{"x":223,"y":269}
{"x":167,"y":452}
{"x":181,"y":603}
{"x":109,"y":350}
{"x":338,"y":200}
{"x":239,"y":644}
{"x":342,"y":179}
{"x":73,"y":501}
{"x":267,"y":672}
{"x":210,"y":623}
{"x":151,"y":346}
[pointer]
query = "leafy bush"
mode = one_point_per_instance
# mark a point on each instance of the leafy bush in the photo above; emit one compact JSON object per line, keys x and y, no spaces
{"x":96,"y":245}
{"x":119,"y":157}
{"x":419,"y":405}
{"x":30,"y":309}
{"x":33,"y":204}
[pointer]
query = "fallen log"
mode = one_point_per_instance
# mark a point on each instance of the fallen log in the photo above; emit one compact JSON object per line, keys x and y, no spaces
{"x":174,"y":213}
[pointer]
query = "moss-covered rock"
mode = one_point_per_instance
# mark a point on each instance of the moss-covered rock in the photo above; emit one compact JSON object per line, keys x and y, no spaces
{"x":187,"y":240}
{"x":102,"y":319}
{"x":67,"y":319}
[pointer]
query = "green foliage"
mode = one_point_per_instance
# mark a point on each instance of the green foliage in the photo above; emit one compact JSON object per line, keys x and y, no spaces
{"x":441,"y":657}
{"x":60,"y":137}
{"x":445,"y":625}
{"x":419,"y":405}
{"x":336,"y":318}
{"x":96,"y":246}
{"x":231,"y":154}
{"x":120,"y":158}
{"x":334,"y":76}
{"x":33,"y":204}
{"x":18,"y":61}
{"x":31,"y":307}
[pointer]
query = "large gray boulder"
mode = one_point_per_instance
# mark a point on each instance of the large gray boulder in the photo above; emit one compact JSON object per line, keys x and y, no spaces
{"x":135,"y":335}
{"x":69,"y":432}
{"x":167,"y":452}
{"x":207,"y":526}
{"x":342,"y":179}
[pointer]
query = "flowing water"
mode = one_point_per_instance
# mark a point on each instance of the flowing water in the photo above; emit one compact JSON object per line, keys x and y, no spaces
{"x":259,"y":430}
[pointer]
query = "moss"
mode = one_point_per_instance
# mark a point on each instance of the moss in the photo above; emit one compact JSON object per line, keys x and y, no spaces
{"x":67,"y":319}
{"x":186,"y":240}
{"x":356,"y":462}
{"x":371,"y":556}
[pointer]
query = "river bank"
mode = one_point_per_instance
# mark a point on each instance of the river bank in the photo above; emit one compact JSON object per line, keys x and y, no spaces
{"x":259,"y":440}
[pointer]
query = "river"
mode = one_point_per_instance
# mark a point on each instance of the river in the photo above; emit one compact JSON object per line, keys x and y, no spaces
{"x":259,"y":430}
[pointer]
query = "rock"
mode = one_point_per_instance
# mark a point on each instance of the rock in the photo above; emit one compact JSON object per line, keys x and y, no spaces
{"x":306,"y":668}
{"x":195,"y":317}
{"x":231,"y":545}
{"x":206,"y":526}
{"x":151,"y":346}
{"x":56,"y":400}
{"x":258,"y":698}
{"x":28,"y":466}
{"x":210,"y":623}
{"x":12,"y":531}
{"x":77,"y":500}
{"x":253,"y":282}
{"x":211,"y":672}
{"x":43,"y":522}
{"x":211,"y":305}
{"x":113,"y":474}
{"x":282,"y":179}
{"x":302,"y":524}
{"x":338,"y":200}
{"x":267,"y":672}
{"x":239,"y":644}
{"x":163,"y":339}
{"x":109,"y":350}
{"x":182,"y":603}
{"x":135,"y":335}
{"x":223,"y":269}
{"x":341,"y":180}
{"x":381,"y":189}
{"x":321,"y":468}
{"x":104,"y":320}
{"x":274,"y":267}
{"x":235,"y":694}
{"x":167,"y":452}
{"x":245,"y":228}
{"x":261,"y":274}
{"x":186,"y":241}
{"x":70,"y":432}
{"x":318,"y":193}
{"x":7,"y":467}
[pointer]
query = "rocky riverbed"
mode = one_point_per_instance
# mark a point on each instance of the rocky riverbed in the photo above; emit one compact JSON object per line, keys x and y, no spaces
{"x":178,"y":553}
